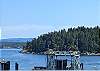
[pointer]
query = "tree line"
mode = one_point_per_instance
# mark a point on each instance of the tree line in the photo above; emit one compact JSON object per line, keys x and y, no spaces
{"x":82,"y":38}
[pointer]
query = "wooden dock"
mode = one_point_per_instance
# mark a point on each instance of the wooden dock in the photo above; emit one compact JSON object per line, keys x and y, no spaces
{"x":54,"y":64}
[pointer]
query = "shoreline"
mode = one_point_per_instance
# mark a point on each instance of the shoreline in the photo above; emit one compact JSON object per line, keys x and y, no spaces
{"x":91,"y":54}
{"x":43,"y":53}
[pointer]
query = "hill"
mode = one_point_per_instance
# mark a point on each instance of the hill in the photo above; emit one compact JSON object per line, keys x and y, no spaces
{"x":13,"y":42}
{"x":82,"y":38}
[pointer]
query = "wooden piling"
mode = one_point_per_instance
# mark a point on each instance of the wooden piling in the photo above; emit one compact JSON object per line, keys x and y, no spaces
{"x":7,"y":65}
{"x":2,"y":66}
{"x":81,"y":66}
{"x":16,"y":66}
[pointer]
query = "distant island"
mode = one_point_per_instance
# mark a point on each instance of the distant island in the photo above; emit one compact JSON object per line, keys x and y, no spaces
{"x":13,"y":42}
{"x":84,"y":39}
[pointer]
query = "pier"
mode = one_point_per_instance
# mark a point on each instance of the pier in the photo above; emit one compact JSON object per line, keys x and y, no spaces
{"x":61,"y":64}
{"x":53,"y":62}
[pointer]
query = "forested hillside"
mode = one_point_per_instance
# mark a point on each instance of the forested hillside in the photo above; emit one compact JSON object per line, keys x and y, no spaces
{"x":82,"y":38}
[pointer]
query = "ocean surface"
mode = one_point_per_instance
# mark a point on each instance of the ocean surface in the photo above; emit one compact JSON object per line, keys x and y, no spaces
{"x":28,"y":61}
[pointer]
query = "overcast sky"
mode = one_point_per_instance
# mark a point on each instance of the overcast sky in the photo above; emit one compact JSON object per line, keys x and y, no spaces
{"x":30,"y":18}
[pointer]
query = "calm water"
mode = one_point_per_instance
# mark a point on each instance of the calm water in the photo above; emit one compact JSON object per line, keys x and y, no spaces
{"x":28,"y":61}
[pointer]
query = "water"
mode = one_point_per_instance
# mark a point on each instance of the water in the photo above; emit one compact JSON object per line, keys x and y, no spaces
{"x":25,"y":61}
{"x":28,"y":61}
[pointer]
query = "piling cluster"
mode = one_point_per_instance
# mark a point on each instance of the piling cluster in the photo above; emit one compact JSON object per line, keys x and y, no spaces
{"x":5,"y":65}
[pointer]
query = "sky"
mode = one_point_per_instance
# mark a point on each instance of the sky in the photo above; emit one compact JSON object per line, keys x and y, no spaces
{"x":30,"y":18}
{"x":0,"y":34}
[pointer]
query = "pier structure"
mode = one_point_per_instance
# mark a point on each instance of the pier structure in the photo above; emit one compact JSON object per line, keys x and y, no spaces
{"x":4,"y":65}
{"x":53,"y":63}
{"x":75,"y":61}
